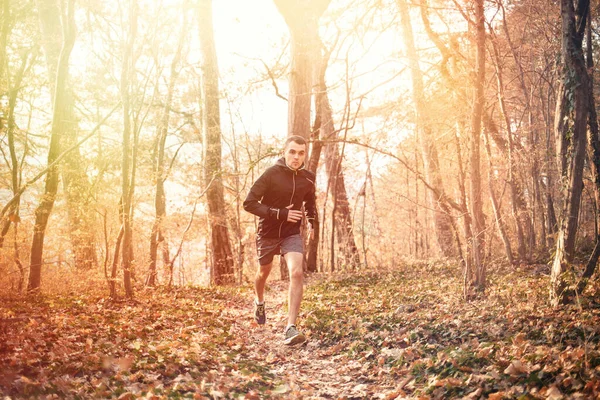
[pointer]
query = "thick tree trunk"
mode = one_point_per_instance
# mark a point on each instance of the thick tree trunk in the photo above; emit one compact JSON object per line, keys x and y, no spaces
{"x":75,"y":180}
{"x":223,"y":271}
{"x":593,"y":161}
{"x":571,"y":120}
{"x":442,"y":222}
{"x":476,"y":200}
{"x":302,"y":20}
{"x":60,"y":113}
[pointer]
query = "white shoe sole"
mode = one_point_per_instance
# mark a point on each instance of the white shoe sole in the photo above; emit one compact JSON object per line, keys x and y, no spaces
{"x":300,"y":338}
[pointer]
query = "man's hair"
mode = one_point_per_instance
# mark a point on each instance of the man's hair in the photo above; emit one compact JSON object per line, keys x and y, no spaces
{"x":294,"y":138}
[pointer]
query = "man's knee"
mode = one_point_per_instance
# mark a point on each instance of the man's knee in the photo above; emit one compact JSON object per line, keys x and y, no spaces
{"x":297,"y":274}
{"x":295,"y":261}
{"x":263,"y":271}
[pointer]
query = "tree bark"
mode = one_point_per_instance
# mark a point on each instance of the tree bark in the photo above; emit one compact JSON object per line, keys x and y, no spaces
{"x":571,"y":120}
{"x":593,"y":160}
{"x":59,"y":116}
{"x":476,"y":200}
{"x":223,"y":271}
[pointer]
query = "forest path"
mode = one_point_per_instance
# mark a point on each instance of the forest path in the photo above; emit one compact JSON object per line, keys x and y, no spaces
{"x":309,"y":370}
{"x":378,"y":334}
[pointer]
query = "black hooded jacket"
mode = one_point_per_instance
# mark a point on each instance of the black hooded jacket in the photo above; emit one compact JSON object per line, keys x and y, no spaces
{"x":277,"y":188}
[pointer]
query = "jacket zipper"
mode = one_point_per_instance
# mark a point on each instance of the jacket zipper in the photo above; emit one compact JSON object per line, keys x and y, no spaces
{"x":291,"y":198}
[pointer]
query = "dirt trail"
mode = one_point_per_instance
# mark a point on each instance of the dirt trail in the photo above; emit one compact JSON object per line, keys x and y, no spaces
{"x":310,"y":370}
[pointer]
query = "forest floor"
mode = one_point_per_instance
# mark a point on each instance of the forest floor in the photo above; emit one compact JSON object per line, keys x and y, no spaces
{"x":389,"y":334}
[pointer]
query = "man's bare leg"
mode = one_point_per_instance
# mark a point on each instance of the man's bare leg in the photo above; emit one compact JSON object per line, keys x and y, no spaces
{"x":262,"y":273}
{"x":294,"y":262}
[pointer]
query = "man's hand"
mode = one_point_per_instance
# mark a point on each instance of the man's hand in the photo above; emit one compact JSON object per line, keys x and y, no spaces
{"x":293,"y":215}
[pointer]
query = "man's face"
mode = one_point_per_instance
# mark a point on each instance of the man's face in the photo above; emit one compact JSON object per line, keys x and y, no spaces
{"x":295,"y":154}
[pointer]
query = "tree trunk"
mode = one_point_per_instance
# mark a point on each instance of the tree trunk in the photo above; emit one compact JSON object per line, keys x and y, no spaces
{"x":495,"y":206}
{"x":75,"y":181}
{"x":551,"y":221}
{"x":515,"y":193}
{"x":160,"y":206}
{"x":302,"y":20}
{"x":126,"y":167}
{"x":4,"y":31}
{"x":526,"y":241}
{"x":571,"y":120}
{"x":6,"y":27}
{"x":442,"y":223}
{"x":342,"y":218}
{"x":112,"y":282}
{"x":13,"y":213}
{"x":467,"y":221}
{"x":221,"y":248}
{"x":476,"y":200}
{"x":593,"y":161}
{"x":313,"y":163}
{"x":343,"y":221}
{"x":60,"y":113}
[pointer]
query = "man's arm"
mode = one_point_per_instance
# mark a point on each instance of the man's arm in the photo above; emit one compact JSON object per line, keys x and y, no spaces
{"x":253,"y":204}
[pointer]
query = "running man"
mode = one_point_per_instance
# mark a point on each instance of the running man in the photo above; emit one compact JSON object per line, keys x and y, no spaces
{"x":277,"y":197}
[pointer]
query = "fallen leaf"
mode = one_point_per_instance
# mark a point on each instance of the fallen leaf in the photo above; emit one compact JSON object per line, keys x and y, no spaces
{"x":496,"y":396}
{"x":554,"y":393}
{"x":515,"y":368}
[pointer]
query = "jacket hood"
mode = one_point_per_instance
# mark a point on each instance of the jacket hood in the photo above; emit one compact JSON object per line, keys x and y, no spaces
{"x":281,"y":163}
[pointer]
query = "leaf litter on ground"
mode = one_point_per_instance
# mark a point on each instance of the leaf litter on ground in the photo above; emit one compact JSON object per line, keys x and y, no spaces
{"x":388,"y":333}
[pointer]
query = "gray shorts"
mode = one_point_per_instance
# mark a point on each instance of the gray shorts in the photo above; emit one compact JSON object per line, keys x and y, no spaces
{"x":267,"y":248}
